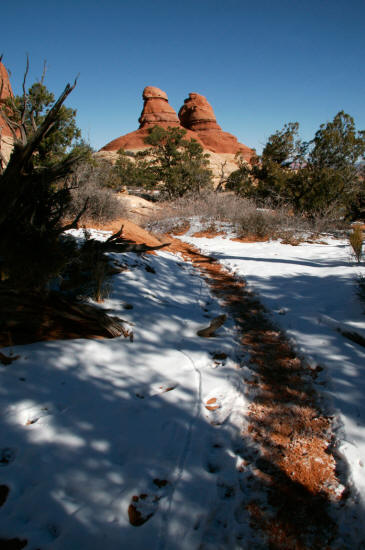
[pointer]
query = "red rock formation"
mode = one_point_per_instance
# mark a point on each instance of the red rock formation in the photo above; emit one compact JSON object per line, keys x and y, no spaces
{"x":198,"y":116}
{"x":156,"y":110}
{"x":5,"y":92}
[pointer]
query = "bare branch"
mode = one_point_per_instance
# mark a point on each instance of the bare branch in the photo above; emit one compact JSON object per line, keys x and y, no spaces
{"x":32,"y":120}
{"x":222,"y":176}
{"x":25,"y":95}
{"x":44,"y":71}
{"x":73,"y":224}
{"x":45,"y":127}
{"x":116,"y":235}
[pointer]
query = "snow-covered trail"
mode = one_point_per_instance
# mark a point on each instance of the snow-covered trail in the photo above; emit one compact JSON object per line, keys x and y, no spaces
{"x":310,"y":292}
{"x":111,"y":442}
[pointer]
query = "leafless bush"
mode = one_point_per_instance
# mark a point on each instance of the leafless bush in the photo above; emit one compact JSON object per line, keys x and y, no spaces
{"x":242,"y":214}
{"x":90,"y":185}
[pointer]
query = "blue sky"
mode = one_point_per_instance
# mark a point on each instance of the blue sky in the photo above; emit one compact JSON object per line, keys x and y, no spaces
{"x":260,"y":64}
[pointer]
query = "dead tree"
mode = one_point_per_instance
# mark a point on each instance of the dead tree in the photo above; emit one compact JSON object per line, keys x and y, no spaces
{"x":222,"y":177}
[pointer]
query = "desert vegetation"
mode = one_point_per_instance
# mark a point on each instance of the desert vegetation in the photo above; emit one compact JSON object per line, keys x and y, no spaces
{"x":172,"y":164}
{"x":356,"y":239}
{"x":316,"y":178}
{"x":243,"y":216}
{"x":36,"y":254}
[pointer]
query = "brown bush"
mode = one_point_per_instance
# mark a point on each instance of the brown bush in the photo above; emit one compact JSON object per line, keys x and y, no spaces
{"x":356,"y":239}
{"x":242,"y":214}
{"x":91,"y":180}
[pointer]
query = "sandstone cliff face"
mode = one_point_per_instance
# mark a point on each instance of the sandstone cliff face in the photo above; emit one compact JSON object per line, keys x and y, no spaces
{"x":197,"y":115}
{"x":6,"y":143}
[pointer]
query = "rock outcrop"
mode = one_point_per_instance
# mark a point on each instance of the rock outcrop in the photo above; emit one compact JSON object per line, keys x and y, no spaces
{"x":198,"y":116}
{"x":156,"y":110}
{"x":6,"y":137}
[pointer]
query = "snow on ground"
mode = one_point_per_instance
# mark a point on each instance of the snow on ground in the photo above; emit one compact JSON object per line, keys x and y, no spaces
{"x":96,"y":432}
{"x":310,"y":291}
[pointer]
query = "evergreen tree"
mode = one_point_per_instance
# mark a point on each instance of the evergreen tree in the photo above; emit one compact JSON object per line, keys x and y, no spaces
{"x":180,"y":165}
{"x":312,"y":177}
{"x":29,"y":112}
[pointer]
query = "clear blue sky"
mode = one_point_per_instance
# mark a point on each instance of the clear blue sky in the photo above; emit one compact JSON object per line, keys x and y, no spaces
{"x":259,"y":63}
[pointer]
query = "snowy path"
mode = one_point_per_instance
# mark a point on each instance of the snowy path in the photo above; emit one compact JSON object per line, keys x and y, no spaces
{"x":310,"y":292}
{"x":110,"y":442}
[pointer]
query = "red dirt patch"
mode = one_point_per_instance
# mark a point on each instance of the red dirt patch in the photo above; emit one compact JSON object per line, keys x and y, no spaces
{"x":181,"y":229}
{"x":251,"y":239}
{"x":208,"y":234}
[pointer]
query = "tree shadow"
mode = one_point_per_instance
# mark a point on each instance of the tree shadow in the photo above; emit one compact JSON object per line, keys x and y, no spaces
{"x":84,"y":436}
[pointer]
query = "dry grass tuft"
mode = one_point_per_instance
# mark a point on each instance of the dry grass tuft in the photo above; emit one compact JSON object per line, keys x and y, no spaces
{"x":356,"y":239}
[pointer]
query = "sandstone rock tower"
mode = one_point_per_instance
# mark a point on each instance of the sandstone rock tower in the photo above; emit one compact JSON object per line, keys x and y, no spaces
{"x":156,"y":110}
{"x":197,"y":115}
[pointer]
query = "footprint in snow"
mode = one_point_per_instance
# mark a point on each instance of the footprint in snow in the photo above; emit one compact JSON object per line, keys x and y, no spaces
{"x":219,"y":359}
{"x":144,"y":506}
{"x":225,"y":490}
{"x":7,"y":456}
{"x":215,"y":459}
